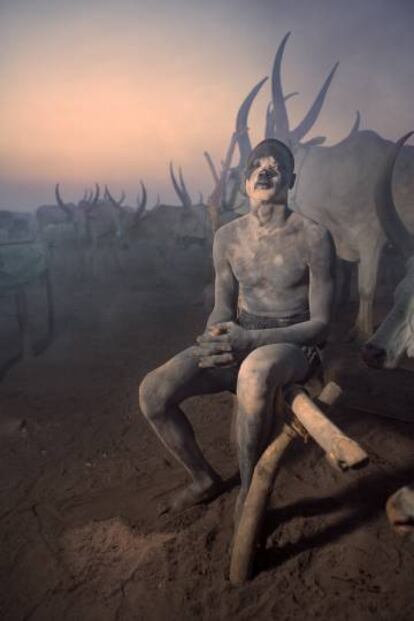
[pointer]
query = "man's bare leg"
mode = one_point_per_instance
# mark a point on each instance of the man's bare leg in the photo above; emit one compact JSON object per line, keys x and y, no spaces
{"x":261,"y":374}
{"x":160,"y":394}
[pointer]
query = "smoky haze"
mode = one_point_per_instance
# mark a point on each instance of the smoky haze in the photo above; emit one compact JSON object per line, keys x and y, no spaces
{"x":112,"y":93}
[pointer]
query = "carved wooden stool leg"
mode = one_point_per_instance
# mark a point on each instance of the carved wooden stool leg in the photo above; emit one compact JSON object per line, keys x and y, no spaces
{"x":247,"y":533}
{"x":340,"y":449}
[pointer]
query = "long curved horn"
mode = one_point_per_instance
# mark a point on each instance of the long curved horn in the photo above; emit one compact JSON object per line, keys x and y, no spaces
{"x":387,"y":213}
{"x":60,"y":202}
{"x":270,"y":129}
{"x":95,"y":199}
{"x":311,"y":117}
{"x":211,"y":166}
{"x":270,"y":122}
{"x":141,"y":204}
{"x":354,"y":129}
{"x":314,"y":142}
{"x":241,"y":123}
{"x":175,"y":184}
{"x":355,"y":126}
{"x":279,"y":105}
{"x":111,"y":199}
{"x":188,"y":201}
{"x":290,"y":95}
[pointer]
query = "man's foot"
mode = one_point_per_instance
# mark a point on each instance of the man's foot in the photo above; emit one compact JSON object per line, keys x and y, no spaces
{"x":193,"y":494}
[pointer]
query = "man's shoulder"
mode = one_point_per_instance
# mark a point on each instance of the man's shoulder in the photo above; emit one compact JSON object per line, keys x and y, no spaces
{"x":229,"y":230}
{"x":314,"y":232}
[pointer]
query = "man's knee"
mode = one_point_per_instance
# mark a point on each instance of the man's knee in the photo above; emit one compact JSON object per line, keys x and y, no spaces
{"x":262,"y":372}
{"x":152,"y":397}
{"x":253,"y":382}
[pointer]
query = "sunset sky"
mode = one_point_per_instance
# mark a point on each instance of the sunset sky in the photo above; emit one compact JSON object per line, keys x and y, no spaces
{"x":98,"y":90}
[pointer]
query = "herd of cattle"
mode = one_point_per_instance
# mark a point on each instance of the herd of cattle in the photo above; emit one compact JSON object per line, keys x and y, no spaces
{"x":348,"y":187}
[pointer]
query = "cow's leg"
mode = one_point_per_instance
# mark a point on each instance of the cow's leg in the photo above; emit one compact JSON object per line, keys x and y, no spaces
{"x":50,"y":307}
{"x":23,"y":322}
{"x":367,"y":280}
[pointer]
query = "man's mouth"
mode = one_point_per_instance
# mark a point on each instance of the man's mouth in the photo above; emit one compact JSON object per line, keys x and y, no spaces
{"x":264,"y":184}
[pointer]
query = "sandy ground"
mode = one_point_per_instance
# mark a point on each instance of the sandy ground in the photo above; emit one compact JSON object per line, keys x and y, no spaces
{"x":82,"y":477}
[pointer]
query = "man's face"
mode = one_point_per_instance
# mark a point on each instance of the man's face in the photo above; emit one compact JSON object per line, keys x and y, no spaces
{"x":269,"y":180}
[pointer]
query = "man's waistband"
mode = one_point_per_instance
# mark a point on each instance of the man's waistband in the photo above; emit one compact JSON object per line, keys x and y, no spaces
{"x":258,"y":322}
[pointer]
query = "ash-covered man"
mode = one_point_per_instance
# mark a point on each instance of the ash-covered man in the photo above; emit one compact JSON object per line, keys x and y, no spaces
{"x":273,"y":298}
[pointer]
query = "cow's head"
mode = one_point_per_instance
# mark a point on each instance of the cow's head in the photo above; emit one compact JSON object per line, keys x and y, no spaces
{"x":395,"y":336}
{"x":77,"y":214}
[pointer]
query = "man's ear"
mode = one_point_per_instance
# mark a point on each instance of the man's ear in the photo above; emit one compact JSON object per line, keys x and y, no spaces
{"x":292,"y":181}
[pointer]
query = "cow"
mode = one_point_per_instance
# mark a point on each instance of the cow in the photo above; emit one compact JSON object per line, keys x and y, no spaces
{"x":63,"y":228}
{"x":17,"y":226}
{"x":112,"y":224}
{"x":335,"y":184}
{"x":23,"y":263}
{"x":395,"y":336}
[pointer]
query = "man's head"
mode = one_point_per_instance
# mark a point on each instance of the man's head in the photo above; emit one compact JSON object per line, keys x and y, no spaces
{"x":270,"y":172}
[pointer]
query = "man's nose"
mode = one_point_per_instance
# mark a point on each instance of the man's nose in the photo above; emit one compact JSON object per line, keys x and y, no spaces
{"x":265,"y":172}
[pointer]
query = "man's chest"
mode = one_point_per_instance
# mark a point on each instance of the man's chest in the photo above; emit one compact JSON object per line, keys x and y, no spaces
{"x":273,"y":261}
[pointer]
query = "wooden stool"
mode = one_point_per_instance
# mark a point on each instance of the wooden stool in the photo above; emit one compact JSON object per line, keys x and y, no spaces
{"x":303,"y":417}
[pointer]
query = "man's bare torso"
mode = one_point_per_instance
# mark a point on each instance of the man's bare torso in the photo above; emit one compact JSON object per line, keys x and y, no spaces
{"x":270,"y":265}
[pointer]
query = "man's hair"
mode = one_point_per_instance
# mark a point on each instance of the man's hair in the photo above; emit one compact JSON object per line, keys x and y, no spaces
{"x":271,"y":147}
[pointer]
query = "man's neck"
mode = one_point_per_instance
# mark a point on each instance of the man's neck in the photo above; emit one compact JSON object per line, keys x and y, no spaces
{"x":270,"y":216}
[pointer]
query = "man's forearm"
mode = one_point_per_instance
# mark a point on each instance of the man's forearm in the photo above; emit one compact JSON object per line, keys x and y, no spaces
{"x":220,"y":314}
{"x":312,"y":332}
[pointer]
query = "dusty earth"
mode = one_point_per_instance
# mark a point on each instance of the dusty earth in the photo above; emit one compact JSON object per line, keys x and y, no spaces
{"x":82,"y":478}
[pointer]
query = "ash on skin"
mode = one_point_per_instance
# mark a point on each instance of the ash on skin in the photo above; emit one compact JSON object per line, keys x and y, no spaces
{"x":273,"y":268}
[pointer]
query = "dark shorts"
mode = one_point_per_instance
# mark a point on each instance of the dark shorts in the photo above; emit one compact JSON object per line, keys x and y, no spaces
{"x":225,"y":378}
{"x":257,"y":322}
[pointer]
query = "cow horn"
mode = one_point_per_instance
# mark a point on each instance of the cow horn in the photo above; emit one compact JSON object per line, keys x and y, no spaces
{"x":279,"y":106}
{"x":354,"y":129}
{"x":175,"y":184}
{"x":310,"y":118}
{"x":111,"y":198}
{"x":241,"y":123}
{"x":187,"y":199}
{"x":141,"y":204}
{"x":270,"y":122}
{"x":95,"y":199}
{"x":211,"y":167}
{"x":60,"y":202}
{"x":387,"y":213}
{"x":314,"y":142}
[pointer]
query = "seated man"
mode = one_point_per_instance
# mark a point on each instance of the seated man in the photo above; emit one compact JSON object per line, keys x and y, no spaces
{"x":273,"y":297}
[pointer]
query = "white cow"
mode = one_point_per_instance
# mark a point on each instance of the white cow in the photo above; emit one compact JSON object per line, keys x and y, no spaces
{"x":395,"y":336}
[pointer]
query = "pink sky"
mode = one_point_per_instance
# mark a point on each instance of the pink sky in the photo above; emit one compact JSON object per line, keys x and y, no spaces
{"x":113,"y":92}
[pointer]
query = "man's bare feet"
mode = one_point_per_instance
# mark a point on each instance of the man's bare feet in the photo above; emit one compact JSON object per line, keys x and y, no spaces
{"x":193,"y":494}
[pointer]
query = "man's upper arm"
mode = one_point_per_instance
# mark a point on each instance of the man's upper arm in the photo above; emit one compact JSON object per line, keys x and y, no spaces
{"x":322,"y":269}
{"x":226,"y":289}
